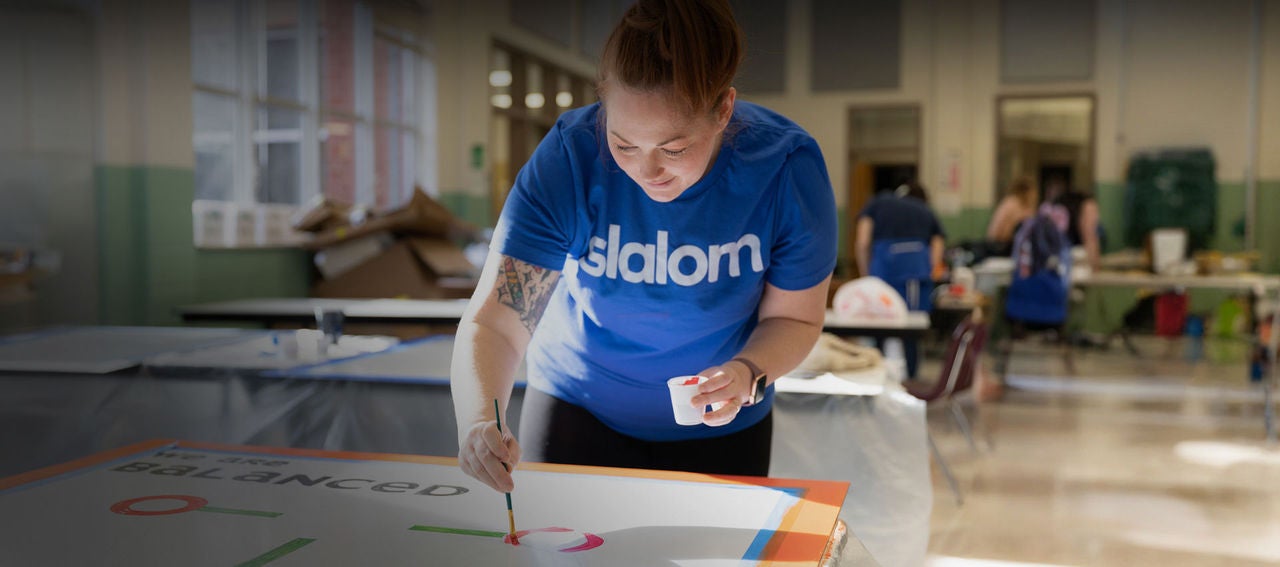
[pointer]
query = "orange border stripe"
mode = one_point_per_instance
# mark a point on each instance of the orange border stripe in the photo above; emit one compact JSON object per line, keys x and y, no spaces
{"x":84,"y":462}
{"x":319,"y":453}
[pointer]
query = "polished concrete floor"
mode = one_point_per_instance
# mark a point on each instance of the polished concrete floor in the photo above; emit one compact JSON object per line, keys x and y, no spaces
{"x":1154,"y":460}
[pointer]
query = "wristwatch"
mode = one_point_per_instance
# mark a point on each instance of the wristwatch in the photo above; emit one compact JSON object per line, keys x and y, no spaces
{"x":759,"y":381}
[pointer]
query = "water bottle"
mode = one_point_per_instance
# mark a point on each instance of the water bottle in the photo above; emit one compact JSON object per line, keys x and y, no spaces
{"x":1258,"y":362}
{"x":1194,"y":330}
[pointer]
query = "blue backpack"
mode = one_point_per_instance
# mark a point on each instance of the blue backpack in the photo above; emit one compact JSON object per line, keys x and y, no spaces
{"x":1038,"y":292}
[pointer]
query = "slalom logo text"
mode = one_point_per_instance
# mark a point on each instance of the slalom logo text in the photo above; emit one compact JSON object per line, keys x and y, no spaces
{"x":611,"y":258}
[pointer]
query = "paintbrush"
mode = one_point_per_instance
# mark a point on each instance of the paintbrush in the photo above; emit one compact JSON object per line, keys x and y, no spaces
{"x":511,"y":515}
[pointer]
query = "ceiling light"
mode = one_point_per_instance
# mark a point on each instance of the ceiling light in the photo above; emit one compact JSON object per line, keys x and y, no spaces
{"x":500,"y":78}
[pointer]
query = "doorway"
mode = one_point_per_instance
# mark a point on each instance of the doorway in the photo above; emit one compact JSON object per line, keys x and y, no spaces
{"x":889,"y":176}
{"x":526,"y":96}
{"x":1044,"y":137}
{"x":884,"y":152}
{"x":1047,"y":172}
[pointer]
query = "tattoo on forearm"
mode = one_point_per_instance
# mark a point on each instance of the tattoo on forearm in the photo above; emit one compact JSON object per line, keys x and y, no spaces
{"x":525,"y":288}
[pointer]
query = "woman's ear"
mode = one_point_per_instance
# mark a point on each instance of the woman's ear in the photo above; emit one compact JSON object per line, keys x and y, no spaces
{"x":725,"y":111}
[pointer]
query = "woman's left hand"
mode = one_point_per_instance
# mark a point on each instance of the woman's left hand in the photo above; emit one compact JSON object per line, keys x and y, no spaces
{"x":727,"y":388}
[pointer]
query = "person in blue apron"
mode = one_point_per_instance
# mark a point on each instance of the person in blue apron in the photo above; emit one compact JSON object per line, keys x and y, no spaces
{"x":899,"y":240}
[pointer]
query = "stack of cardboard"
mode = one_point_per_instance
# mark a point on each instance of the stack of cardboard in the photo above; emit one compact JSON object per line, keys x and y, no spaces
{"x":412,"y":252}
{"x":21,"y":268}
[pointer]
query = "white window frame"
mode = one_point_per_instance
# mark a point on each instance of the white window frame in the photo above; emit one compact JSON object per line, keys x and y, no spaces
{"x":251,"y":98}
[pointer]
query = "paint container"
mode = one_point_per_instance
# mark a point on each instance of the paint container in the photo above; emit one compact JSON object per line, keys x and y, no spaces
{"x":552,"y":558}
{"x":312,"y":345}
{"x":329,"y":322}
{"x":288,"y":345}
{"x":683,"y":389}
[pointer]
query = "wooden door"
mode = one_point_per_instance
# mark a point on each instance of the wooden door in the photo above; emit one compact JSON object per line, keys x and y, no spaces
{"x":861,"y":190}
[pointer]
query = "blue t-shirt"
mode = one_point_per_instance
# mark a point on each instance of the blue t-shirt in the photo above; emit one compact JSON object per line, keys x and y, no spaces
{"x":901,"y":218}
{"x":901,"y":231}
{"x":652,"y":290}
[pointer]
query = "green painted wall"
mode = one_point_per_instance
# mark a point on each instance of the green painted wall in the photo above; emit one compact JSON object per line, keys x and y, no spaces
{"x":1110,"y":198}
{"x":1267,"y":225}
{"x":969,"y":224}
{"x":471,"y":208}
{"x":1229,"y":226}
{"x":121,"y":245}
{"x":149,"y":264}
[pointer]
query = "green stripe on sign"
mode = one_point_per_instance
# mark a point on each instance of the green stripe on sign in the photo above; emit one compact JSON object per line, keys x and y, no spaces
{"x":457,"y":531}
{"x":259,"y":513}
{"x":277,"y":553}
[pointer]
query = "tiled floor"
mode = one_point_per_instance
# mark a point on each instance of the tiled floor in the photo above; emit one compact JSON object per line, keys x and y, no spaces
{"x":1134,"y":461}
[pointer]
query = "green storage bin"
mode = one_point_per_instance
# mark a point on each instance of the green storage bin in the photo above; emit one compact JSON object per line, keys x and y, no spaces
{"x":1172,"y":188}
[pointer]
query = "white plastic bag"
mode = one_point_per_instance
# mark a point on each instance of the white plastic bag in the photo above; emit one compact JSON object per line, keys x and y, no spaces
{"x":869,"y":298}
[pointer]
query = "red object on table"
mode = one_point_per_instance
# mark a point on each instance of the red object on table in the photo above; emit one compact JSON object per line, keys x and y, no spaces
{"x":1171,"y":314}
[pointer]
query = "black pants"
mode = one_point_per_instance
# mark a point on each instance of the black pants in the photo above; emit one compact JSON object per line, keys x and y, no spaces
{"x":555,"y":431}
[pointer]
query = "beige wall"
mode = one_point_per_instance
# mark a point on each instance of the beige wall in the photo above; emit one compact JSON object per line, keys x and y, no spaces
{"x":144,"y":70}
{"x":46,"y":105}
{"x":1269,"y":116}
{"x":47,"y":128}
{"x":1167,"y":73}
{"x":1187,"y":79}
{"x":463,"y":32}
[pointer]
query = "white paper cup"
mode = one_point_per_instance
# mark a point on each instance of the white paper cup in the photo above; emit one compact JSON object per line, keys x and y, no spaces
{"x":683,"y":389}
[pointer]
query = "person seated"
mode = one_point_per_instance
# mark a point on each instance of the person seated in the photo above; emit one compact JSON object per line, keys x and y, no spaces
{"x":1014,"y":209}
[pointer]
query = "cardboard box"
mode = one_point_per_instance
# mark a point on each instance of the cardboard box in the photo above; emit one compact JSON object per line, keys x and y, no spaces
{"x":20,"y":270}
{"x":422,"y":216}
{"x":16,"y":288}
{"x":321,"y":214}
{"x":443,"y":257}
{"x":411,"y":268}
{"x":348,"y":254}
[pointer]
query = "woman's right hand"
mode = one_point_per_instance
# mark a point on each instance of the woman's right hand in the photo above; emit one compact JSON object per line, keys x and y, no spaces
{"x":483,"y":451}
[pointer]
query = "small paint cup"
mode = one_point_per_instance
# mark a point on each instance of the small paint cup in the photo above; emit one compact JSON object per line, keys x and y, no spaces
{"x":683,"y":389}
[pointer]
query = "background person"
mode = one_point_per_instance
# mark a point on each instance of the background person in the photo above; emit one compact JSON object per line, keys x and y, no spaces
{"x":899,"y":240}
{"x":1077,"y":213}
{"x":1015,"y":208}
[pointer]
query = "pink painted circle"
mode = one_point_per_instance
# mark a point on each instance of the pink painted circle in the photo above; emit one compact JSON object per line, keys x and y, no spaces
{"x":125,"y":507}
{"x":593,"y":540}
